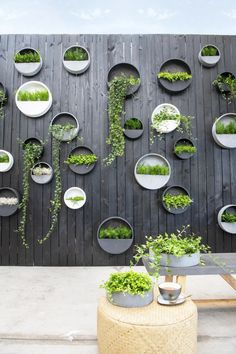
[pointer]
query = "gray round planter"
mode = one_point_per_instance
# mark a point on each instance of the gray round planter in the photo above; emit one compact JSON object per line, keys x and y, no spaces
{"x":28,"y":69}
{"x":128,"y":300}
{"x":43,"y":179}
{"x":81,"y":169}
{"x":227,"y":226}
{"x":168,"y":260}
{"x":152,"y":182}
{"x":174,"y":190}
{"x":76,"y":66}
{"x":227,"y":141}
{"x":114,"y":246}
{"x":185,"y":155}
{"x":66,"y":118}
{"x":209,"y":61}
{"x":8,"y":210}
{"x":127,"y":70}
{"x":33,"y":140}
{"x":133,"y":133}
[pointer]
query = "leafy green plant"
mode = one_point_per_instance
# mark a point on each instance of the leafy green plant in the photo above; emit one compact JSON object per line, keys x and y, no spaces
{"x":29,"y":56}
{"x":226,"y":84}
{"x":76,"y":199}
{"x":228,"y":217}
{"x":177,"y":201}
{"x":3,"y":100}
{"x":118,"y":88}
{"x":4,"y":158}
{"x":133,"y":124}
{"x":76,"y":54}
{"x":229,"y":128}
{"x":153,"y":170}
{"x":38,"y":95}
{"x":185,"y":148}
{"x":119,"y":232}
{"x":41,"y":171}
{"x":209,"y":51}
{"x":58,"y":130}
{"x":81,"y":159}
{"x":174,"y":76}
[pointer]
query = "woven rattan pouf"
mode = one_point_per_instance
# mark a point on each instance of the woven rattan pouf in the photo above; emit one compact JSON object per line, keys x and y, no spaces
{"x":154,"y":329}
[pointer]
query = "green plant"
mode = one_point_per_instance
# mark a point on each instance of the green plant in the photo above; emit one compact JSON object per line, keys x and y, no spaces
{"x":10,"y":201}
{"x":228,"y":217}
{"x":76,"y":53}
{"x":3,"y":100}
{"x":153,"y":170}
{"x":58,"y":130}
{"x":119,"y":232}
{"x":4,"y":158}
{"x":29,"y":56}
{"x":209,"y":51}
{"x":133,"y":123}
{"x":76,"y":199}
{"x":180,"y":200}
{"x":116,"y":97}
{"x":226,"y":84}
{"x":41,"y":171}
{"x":82,"y":159}
{"x":185,"y":148}
{"x":229,"y":128}
{"x":38,"y":95}
{"x":175,"y":76}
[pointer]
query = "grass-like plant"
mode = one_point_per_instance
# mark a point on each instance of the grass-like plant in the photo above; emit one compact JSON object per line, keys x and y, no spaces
{"x":228,"y":217}
{"x":185,"y":148}
{"x":76,"y":54}
{"x":41,"y":171}
{"x":3,"y":100}
{"x":81,"y":159}
{"x":115,"y":233}
{"x":209,"y":51}
{"x":76,"y":199}
{"x":29,"y":56}
{"x":174,"y":76}
{"x":229,"y":128}
{"x":176,"y":201}
{"x":38,"y":95}
{"x":162,"y":170}
{"x":226,"y":84}
{"x":4,"y":158}
{"x":133,"y":124}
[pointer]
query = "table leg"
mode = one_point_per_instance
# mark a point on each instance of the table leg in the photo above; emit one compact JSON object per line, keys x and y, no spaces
{"x":229,"y":279}
{"x":181,"y":279}
{"x":169,"y":278}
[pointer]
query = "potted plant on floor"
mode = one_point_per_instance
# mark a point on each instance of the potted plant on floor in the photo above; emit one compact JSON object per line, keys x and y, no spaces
{"x":209,"y":55}
{"x":133,"y":128}
{"x":28,"y":61}
{"x":227,"y":218}
{"x":76,"y":59}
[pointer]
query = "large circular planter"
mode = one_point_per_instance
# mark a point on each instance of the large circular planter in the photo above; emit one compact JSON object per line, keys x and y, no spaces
{"x":209,"y":61}
{"x":64,"y":118}
{"x":127,"y":70}
{"x":42,"y":179}
{"x":229,"y":227}
{"x":6,"y":166}
{"x":227,"y":141}
{"x":76,"y":66}
{"x":28,"y":69}
{"x":175,"y":190}
{"x":152,"y":182}
{"x":115,"y":246}
{"x":175,"y":65}
{"x":128,"y":300}
{"x":133,"y":133}
{"x":166,"y":126}
{"x":184,"y":155}
{"x":33,"y":109}
{"x":74,"y":192}
{"x":7,"y":210}
{"x":81,"y":169}
{"x":33,"y":140}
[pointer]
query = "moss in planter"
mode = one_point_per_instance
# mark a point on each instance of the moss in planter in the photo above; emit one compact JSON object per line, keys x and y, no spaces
{"x":133,"y":124}
{"x":185,"y":148}
{"x":38,"y":95}
{"x":153,"y":170}
{"x":120,"y":232}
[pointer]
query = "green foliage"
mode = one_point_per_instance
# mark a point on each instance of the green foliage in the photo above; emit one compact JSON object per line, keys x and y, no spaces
{"x":76,"y":199}
{"x":185,"y":148}
{"x":177,"y":201}
{"x":223,"y":82}
{"x":4,"y":158}
{"x":3,"y":100}
{"x":133,"y":123}
{"x":27,"y":57}
{"x":41,"y":171}
{"x":58,"y":130}
{"x":38,"y":95}
{"x":172,"y":77}
{"x":209,"y":51}
{"x":229,"y":128}
{"x":153,"y":170}
{"x":228,"y":217}
{"x":116,"y":97}
{"x":76,"y":53}
{"x":120,"y":232}
{"x":82,"y":159}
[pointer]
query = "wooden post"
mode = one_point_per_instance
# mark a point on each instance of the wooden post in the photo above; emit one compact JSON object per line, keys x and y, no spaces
{"x":181,"y":279}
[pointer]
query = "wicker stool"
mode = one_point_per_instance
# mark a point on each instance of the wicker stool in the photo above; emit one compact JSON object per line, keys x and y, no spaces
{"x":154,"y":329}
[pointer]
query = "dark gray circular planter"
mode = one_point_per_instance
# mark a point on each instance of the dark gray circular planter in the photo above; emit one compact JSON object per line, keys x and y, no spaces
{"x":175,"y":65}
{"x":29,"y":69}
{"x":113,"y":246}
{"x":229,"y":227}
{"x":225,"y":88}
{"x":227,"y":141}
{"x":133,"y":133}
{"x":128,"y":70}
{"x":33,"y":140}
{"x":3,"y":88}
{"x":76,"y":67}
{"x":66,"y":118}
{"x":128,"y":300}
{"x":209,"y":61}
{"x":185,"y":155}
{"x":8,"y":210}
{"x":174,"y":190}
{"x":82,"y":169}
{"x":43,"y":179}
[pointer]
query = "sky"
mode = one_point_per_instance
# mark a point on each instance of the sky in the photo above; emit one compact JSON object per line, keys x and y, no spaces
{"x":122,"y":16}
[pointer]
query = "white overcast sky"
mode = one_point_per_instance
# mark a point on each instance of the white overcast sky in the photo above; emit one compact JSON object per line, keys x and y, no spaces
{"x":122,"y":16}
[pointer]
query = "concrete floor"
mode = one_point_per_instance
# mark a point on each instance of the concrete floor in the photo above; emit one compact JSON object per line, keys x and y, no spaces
{"x":53,"y":310}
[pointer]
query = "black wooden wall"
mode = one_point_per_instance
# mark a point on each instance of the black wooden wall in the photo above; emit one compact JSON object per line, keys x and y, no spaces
{"x":210,"y":175}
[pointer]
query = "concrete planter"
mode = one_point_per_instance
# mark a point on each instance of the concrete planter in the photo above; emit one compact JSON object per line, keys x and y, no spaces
{"x":6,"y":166}
{"x":34,"y":141}
{"x":227,"y":226}
{"x":128,"y":70}
{"x":8,"y":210}
{"x":175,"y":190}
{"x":74,"y":192}
{"x":127,"y":300}
{"x":81,"y":169}
{"x":209,"y":61}
{"x":43,"y":179}
{"x":28,"y":69}
{"x":66,"y":118}
{"x":76,"y":66}
{"x":166,"y":126}
{"x":227,"y":141}
{"x":184,"y":155}
{"x":168,"y":260}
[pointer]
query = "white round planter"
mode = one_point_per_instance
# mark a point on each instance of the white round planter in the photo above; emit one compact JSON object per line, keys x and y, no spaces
{"x":43,"y":179}
{"x":152,"y":182}
{"x":127,"y":300}
{"x":227,"y":141}
{"x":209,"y":61}
{"x":229,"y":227}
{"x":33,"y":109}
{"x":166,"y":126}
{"x":74,"y":192}
{"x":29,"y":69}
{"x":6,"y":166}
{"x":76,"y":66}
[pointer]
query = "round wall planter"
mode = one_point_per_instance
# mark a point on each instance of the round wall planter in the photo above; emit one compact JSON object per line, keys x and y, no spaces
{"x":76,"y":66}
{"x":227,"y":141}
{"x":64,"y":118}
{"x":127,"y":70}
{"x":115,"y":246}
{"x":152,"y":181}
{"x":74,"y":192}
{"x":128,"y":300}
{"x":166,"y":126}
{"x":33,"y":109}
{"x":225,"y":88}
{"x":175,"y":190}
{"x":175,"y":65}
{"x":28,"y":69}
{"x":82,"y":169}
{"x":133,"y":133}
{"x":7,"y":210}
{"x":209,"y":61}
{"x":42,"y":179}
{"x":6,"y":166}
{"x":33,"y":140}
{"x":229,"y":227}
{"x":184,"y":155}
{"x":3,"y":89}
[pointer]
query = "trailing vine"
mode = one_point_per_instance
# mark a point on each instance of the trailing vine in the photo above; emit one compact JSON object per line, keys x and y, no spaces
{"x":3,"y":100}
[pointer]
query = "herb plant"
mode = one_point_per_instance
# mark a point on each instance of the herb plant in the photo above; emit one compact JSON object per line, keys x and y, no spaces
{"x":228,"y":217}
{"x":120,"y":232}
{"x":38,"y":95}
{"x":209,"y":51}
{"x":177,"y":201}
{"x":82,"y":159}
{"x":185,"y":148}
{"x":153,"y":170}
{"x":226,"y":84}
{"x":4,"y":158}
{"x":76,"y":199}
{"x":133,"y":124}
{"x":3,"y":100}
{"x":229,"y":128}
{"x":27,"y":57}
{"x":175,"y":76}
{"x":76,"y":54}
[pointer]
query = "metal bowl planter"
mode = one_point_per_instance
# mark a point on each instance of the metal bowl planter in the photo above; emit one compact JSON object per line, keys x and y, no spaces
{"x":74,"y":192}
{"x":28,"y":69}
{"x":175,"y":65}
{"x":6,"y":166}
{"x":8,"y":210}
{"x":81,"y":169}
{"x":152,"y":182}
{"x":166,"y":126}
{"x":184,"y":155}
{"x":66,"y":118}
{"x":33,"y":140}
{"x":125,"y":299}
{"x":76,"y":66}
{"x":175,"y":190}
{"x":127,"y":70}
{"x":42,"y":179}
{"x":209,"y":61}
{"x":134,"y":133}
{"x":115,"y":246}
{"x":229,"y":227}
{"x":227,"y":141}
{"x":33,"y":109}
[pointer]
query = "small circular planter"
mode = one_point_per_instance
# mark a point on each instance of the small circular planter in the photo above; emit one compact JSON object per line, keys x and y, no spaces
{"x":76,"y":66}
{"x":33,"y":140}
{"x":127,"y":70}
{"x":133,"y":133}
{"x":166,"y":126}
{"x":127,"y":300}
{"x":225,"y":88}
{"x":66,"y":118}
{"x":33,"y":109}
{"x":3,"y":89}
{"x":6,"y":166}
{"x":74,"y":192}
{"x":209,"y":61}
{"x":184,"y":155}
{"x":229,"y":227}
{"x":28,"y":69}
{"x":175,"y":190}
{"x":82,"y":169}
{"x":115,"y":246}
{"x":175,"y":65}
{"x":42,"y":179}
{"x":152,"y":182}
{"x":227,"y":141}
{"x":7,"y":210}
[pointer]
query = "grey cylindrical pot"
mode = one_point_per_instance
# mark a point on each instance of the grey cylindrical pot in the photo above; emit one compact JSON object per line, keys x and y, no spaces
{"x":127,"y":300}
{"x":169,"y":260}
